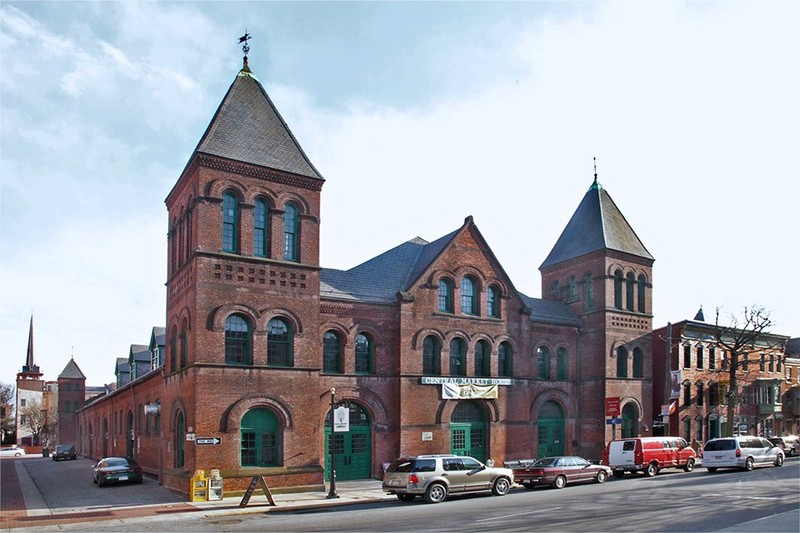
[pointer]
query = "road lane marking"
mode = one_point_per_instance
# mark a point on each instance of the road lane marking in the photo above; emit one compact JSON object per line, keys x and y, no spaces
{"x":518,"y":514}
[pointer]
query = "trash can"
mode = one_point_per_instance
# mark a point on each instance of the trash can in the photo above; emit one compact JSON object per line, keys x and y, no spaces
{"x":45,"y":452}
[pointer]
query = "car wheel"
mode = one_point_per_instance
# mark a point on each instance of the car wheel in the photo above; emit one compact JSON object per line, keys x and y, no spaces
{"x":560,"y":482}
{"x":779,"y":460}
{"x":712,"y":469}
{"x":652,"y":470}
{"x":529,"y":485}
{"x":619,"y":475}
{"x":436,"y":493}
{"x":17,"y":454}
{"x":501,"y":486}
{"x":689,"y":466}
{"x":405,"y":497}
{"x":748,"y":465}
{"x":601,"y":476}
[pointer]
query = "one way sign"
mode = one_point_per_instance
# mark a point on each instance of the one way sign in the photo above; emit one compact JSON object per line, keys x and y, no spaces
{"x":205,"y":441}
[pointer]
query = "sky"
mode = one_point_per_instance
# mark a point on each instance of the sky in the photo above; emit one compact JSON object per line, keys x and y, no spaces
{"x":417,"y":114}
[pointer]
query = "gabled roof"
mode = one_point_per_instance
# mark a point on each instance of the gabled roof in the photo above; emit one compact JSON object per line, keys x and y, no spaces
{"x":158,"y":336}
{"x":139,"y":352}
{"x":122,"y":366}
{"x":248,"y":128}
{"x":597,"y":224}
{"x":71,"y":371}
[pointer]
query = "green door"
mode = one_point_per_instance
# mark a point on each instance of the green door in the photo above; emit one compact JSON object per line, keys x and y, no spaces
{"x":353,"y":449}
{"x":468,"y":431}
{"x":629,"y":419}
{"x":550,"y":426}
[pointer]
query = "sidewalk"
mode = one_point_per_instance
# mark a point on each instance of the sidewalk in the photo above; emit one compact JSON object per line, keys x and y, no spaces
{"x":18,"y":493}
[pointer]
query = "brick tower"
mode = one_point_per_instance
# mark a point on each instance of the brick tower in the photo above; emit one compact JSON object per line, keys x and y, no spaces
{"x":603,"y":272}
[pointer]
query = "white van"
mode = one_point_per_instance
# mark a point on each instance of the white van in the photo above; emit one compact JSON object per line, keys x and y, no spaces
{"x":743,"y":452}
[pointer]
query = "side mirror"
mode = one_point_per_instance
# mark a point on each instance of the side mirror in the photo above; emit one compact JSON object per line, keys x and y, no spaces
{"x":490,"y":463}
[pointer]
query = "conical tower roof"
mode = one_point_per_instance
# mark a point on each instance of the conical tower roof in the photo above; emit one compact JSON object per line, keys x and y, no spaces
{"x":597,"y":224}
{"x":248,"y":128}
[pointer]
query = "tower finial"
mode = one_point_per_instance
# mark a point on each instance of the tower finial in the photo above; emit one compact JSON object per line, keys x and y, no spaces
{"x":595,"y":169}
{"x":245,"y":48}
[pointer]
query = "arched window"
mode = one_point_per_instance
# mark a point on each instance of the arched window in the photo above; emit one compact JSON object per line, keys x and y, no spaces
{"x":230,"y":223}
{"x":640,"y":293}
{"x":504,"y":366}
{"x":261,"y":229}
{"x":260,"y":438}
{"x":561,"y":363}
{"x":332,"y":362}
{"x":630,"y":282}
{"x":279,"y":343}
{"x":700,"y":356}
{"x":238,"y":341}
{"x":700,"y":393}
{"x":445,"y":296}
{"x":687,"y":394}
{"x":543,"y":363}
{"x":482,"y":358}
{"x":587,"y":288}
{"x":431,"y":356}
{"x":572,"y":288}
{"x":469,"y":302}
{"x":687,"y":356}
{"x":713,"y":394}
{"x":364,"y":354}
{"x":493,"y":302}
{"x":180,"y":439}
{"x":712,"y":358}
{"x":638,"y":363}
{"x":184,"y":343}
{"x":458,"y":362}
{"x":173,"y":349}
{"x":622,"y":362}
{"x":290,"y":233}
{"x":618,"y":289}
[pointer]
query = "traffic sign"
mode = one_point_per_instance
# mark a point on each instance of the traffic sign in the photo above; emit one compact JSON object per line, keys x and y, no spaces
{"x":205,"y":441}
{"x":611,"y":421}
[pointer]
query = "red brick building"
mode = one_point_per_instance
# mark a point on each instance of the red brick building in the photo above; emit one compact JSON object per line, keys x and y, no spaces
{"x":429,"y":346}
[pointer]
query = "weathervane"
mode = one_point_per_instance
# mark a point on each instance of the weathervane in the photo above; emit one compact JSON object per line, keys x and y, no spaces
{"x":243,"y":39}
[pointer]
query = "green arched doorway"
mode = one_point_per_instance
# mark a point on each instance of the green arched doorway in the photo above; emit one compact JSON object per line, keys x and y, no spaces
{"x":260,"y":438}
{"x":353,"y":448}
{"x":468,"y":431}
{"x":550,"y":425}
{"x":630,"y":416}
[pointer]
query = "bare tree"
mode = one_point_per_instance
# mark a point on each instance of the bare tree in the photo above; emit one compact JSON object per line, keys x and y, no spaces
{"x":7,"y":420}
{"x":35,"y":419}
{"x":740,"y":338}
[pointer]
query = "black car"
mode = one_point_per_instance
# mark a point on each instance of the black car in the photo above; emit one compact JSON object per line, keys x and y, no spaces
{"x":116,"y":470}
{"x":65,"y":451}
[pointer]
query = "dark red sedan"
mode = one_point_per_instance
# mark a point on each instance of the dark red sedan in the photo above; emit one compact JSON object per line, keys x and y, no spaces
{"x":558,"y":471}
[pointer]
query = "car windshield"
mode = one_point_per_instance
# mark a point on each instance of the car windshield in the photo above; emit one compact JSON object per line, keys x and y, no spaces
{"x":546,"y":461}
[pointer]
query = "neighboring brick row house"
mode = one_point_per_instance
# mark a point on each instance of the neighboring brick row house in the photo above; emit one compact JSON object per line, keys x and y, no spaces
{"x":429,"y":346}
{"x":699,"y":378}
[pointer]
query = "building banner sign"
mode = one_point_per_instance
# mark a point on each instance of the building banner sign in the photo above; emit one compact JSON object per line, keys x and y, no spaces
{"x":675,"y":389}
{"x":435,"y":380}
{"x":451,"y":391}
{"x":341,"y":419}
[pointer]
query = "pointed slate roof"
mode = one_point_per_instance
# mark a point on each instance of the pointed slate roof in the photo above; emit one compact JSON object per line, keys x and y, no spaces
{"x":71,"y":371}
{"x":247,"y":127}
{"x":597,"y":224}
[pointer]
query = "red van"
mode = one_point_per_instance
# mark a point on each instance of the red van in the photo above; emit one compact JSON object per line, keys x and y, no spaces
{"x":648,"y":455}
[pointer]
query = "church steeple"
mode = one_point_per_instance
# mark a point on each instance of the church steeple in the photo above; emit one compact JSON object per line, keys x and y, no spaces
{"x":30,"y":370}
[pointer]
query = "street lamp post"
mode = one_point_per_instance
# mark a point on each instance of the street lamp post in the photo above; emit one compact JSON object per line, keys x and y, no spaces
{"x":332,"y":449}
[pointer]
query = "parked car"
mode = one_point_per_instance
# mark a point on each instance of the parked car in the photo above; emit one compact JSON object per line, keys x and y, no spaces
{"x":743,"y":452}
{"x":559,"y":471}
{"x":648,"y":455}
{"x":434,"y":477}
{"x":11,"y":451}
{"x":789,"y":444}
{"x":65,"y":451}
{"x":116,"y":470}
